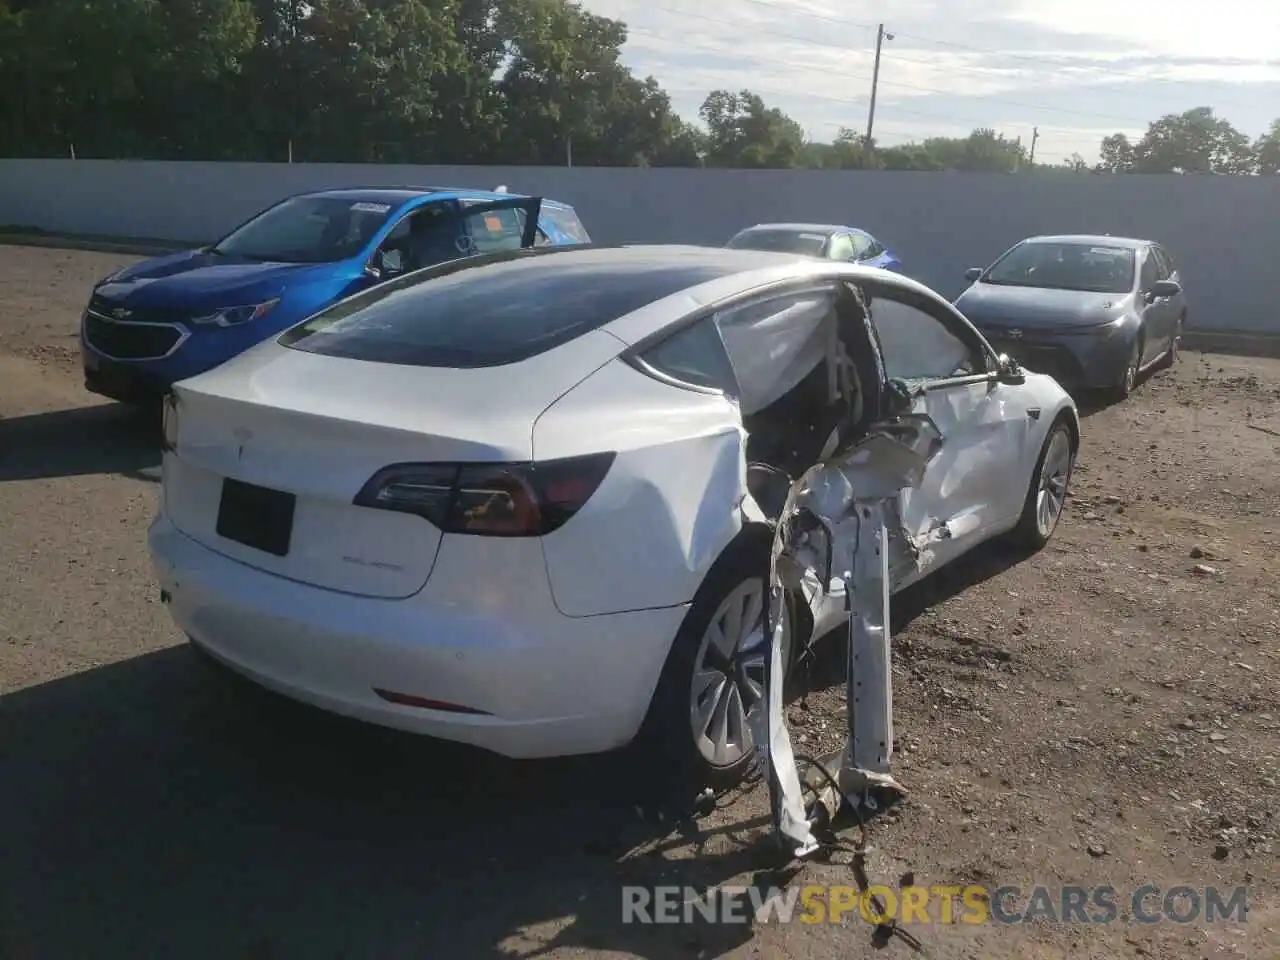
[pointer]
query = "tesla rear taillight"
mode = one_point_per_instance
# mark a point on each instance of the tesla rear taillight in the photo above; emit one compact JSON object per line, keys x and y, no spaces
{"x":489,"y":499}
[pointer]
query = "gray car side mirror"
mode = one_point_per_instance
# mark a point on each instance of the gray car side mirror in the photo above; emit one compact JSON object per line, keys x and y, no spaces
{"x":972,"y":274}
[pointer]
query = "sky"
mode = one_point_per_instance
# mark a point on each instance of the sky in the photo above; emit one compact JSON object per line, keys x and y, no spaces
{"x":1078,"y":70}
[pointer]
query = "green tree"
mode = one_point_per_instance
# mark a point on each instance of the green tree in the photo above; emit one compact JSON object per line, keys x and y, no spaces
{"x":1116,"y":154}
{"x":567,"y":94}
{"x":1266,"y":150}
{"x":983,"y":150}
{"x":1195,"y":141}
{"x":743,"y":132}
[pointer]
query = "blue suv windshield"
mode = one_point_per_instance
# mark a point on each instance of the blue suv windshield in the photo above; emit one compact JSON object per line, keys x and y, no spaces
{"x":307,"y":230}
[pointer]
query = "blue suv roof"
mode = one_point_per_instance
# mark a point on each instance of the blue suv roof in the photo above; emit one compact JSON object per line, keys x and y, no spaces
{"x":399,"y":195}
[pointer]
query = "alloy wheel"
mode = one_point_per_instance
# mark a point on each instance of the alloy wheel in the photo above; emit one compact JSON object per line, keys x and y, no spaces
{"x":727,"y":690}
{"x":1055,"y":474}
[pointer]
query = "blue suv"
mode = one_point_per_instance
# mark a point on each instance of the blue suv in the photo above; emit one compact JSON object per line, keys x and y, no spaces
{"x":163,"y":320}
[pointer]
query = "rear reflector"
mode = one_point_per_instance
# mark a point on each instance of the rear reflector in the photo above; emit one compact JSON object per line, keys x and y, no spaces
{"x":489,"y":499}
{"x":408,"y":700}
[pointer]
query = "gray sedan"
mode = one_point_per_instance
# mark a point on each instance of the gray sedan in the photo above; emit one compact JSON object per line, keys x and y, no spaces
{"x":1092,"y":311}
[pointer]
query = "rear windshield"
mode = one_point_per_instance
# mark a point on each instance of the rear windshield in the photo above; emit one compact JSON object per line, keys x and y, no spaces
{"x":566,"y":221}
{"x":782,"y":241}
{"x":483,"y":313}
{"x":1087,"y":267}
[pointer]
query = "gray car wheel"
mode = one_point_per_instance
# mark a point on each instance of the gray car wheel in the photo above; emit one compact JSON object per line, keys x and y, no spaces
{"x":1129,"y":380}
{"x":1170,"y":357}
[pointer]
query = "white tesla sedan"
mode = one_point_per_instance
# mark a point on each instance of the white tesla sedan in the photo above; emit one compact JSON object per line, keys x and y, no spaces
{"x":524,"y":500}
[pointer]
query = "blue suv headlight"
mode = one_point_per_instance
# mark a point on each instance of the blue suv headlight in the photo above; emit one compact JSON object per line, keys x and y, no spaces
{"x":234,"y":316}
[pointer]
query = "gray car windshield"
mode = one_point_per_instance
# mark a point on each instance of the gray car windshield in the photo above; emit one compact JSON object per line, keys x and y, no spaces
{"x":1093,"y":268}
{"x":781,"y":241}
{"x":307,"y":230}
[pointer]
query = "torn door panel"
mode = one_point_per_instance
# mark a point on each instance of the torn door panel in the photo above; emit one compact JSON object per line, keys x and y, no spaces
{"x":835,"y":524}
{"x":834,"y":529}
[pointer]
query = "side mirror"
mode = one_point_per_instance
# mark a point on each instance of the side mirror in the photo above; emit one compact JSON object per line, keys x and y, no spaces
{"x":972,"y":274}
{"x":386,"y":263}
{"x":1164,"y":288}
{"x":1010,"y":371}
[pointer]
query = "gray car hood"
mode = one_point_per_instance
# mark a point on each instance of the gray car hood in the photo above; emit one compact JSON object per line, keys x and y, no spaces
{"x":1038,"y":308}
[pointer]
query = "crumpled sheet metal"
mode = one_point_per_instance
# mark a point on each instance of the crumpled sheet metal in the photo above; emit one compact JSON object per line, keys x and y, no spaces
{"x":835,"y":525}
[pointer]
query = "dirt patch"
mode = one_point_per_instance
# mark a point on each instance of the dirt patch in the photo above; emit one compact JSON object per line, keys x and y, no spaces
{"x":43,"y":292}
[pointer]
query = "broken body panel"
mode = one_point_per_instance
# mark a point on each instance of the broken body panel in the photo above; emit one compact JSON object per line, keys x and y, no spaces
{"x":840,"y":535}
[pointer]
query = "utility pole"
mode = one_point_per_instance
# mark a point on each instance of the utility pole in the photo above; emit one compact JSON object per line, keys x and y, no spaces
{"x":568,"y":151}
{"x":1035,"y":135}
{"x":881,"y":37}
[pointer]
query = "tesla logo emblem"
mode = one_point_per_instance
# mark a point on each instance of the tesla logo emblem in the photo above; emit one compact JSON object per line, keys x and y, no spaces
{"x":120,"y":313}
{"x":1015,"y":333}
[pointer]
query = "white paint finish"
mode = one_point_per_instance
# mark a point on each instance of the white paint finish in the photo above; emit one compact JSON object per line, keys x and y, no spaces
{"x":335,"y":545}
{"x":436,"y":413}
{"x":971,"y":487}
{"x":1220,"y":230}
{"x":505,"y":625}
{"x":669,"y":504}
{"x":484,"y":634}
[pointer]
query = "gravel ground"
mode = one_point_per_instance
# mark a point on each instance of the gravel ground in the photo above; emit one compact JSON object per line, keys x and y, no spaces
{"x":1105,"y":712}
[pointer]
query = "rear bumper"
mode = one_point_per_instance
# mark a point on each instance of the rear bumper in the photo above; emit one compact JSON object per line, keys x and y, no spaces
{"x":550,"y":685}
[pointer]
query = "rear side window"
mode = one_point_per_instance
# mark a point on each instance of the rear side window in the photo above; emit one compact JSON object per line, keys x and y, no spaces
{"x":494,"y":230}
{"x":694,"y":356}
{"x":566,"y":221}
{"x":841,"y":247}
{"x":862,"y":246}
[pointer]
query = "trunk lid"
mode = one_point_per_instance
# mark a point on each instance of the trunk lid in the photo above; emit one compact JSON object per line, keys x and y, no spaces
{"x":307,"y":432}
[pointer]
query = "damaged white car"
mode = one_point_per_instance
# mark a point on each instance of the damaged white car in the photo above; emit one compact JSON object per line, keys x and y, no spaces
{"x":527,"y":500}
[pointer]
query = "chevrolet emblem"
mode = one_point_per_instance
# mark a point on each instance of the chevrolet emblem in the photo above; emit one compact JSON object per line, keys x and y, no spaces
{"x":1015,"y":333}
{"x":120,"y":313}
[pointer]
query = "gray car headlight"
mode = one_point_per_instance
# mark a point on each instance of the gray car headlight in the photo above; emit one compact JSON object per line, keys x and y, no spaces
{"x":234,"y":316}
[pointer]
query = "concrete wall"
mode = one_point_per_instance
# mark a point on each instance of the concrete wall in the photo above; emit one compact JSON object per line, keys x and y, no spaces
{"x":1224,"y":231}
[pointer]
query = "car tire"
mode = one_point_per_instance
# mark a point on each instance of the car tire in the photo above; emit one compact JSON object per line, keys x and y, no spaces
{"x":1170,"y":357}
{"x":1047,"y":491}
{"x":687,"y":691}
{"x":1129,"y":379}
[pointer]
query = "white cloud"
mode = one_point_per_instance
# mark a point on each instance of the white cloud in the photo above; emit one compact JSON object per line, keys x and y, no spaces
{"x":1247,"y":29}
{"x":1077,"y":72}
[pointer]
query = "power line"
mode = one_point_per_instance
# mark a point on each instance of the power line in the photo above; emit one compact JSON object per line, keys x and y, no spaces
{"x":1037,"y":59}
{"x":843,"y":48}
{"x":826,"y":98}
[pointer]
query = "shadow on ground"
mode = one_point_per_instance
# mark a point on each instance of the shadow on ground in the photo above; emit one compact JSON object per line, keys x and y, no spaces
{"x":103,"y":438}
{"x":158,"y":808}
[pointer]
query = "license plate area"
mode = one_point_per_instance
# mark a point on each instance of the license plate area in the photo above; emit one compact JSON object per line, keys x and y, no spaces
{"x":257,"y":517}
